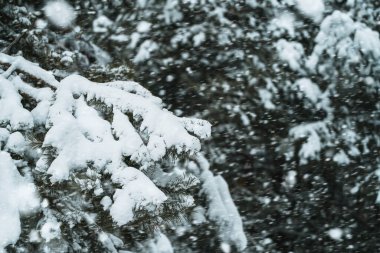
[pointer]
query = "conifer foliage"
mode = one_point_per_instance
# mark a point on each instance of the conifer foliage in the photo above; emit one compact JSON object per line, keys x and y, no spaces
{"x":291,"y":88}
{"x":85,"y":162}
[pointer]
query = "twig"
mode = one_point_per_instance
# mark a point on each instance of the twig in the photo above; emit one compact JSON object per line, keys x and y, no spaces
{"x":7,"y":49}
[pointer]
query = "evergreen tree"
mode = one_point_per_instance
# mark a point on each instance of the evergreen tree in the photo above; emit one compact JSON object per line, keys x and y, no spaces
{"x":95,"y":166}
{"x":291,"y":88}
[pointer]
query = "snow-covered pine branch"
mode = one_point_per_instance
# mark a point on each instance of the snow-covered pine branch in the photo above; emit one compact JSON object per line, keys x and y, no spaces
{"x":86,"y":149}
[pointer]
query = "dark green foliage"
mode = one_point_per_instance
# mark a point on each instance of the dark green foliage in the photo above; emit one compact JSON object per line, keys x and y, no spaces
{"x":251,"y":144}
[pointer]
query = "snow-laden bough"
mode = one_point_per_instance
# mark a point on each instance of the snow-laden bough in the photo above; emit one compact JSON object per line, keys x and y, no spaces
{"x":116,"y":129}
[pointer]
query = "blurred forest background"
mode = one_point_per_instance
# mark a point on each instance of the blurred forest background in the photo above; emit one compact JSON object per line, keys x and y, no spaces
{"x":291,"y":88}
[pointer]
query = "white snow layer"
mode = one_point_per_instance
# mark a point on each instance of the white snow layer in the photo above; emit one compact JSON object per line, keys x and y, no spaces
{"x":291,"y":53}
{"x":368,"y":41}
{"x":312,"y":146}
{"x":18,"y":62}
{"x":341,"y":158}
{"x":266,"y":99}
{"x":308,"y":89}
{"x":143,"y":27}
{"x":16,"y":143}
{"x":146,"y":48}
{"x":60,"y":13}
{"x":221,"y":208}
{"x":101,"y":24}
{"x":139,"y":129}
{"x":335,"y":38}
{"x":159,"y":244}
{"x":284,"y":21}
{"x":132,"y":194}
{"x":18,"y":196}
{"x":51,"y":229}
{"x":17,"y":117}
{"x":82,"y":135}
{"x":311,"y":8}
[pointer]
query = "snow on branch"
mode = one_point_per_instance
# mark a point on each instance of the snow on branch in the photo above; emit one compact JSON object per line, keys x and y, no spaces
{"x":18,"y":62}
{"x":78,"y":130}
{"x":221,"y":208}
{"x":17,"y":196}
{"x":341,"y":36}
{"x":117,"y":128}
